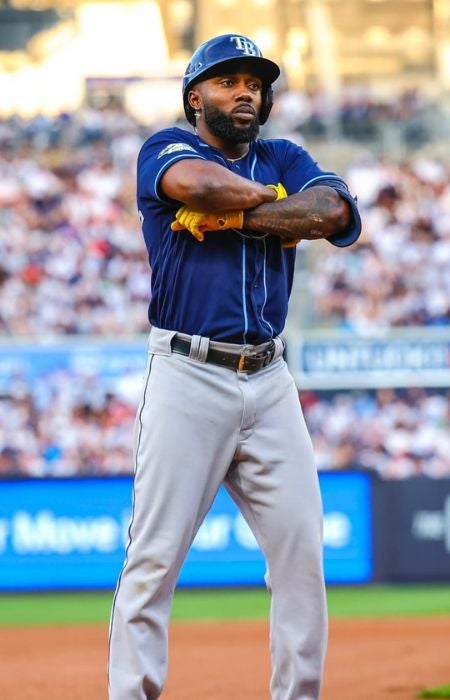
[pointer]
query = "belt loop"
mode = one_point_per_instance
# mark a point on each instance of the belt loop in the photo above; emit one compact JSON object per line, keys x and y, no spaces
{"x":159,"y":341}
{"x":279,"y":347}
{"x":199,"y":348}
{"x":203,"y":349}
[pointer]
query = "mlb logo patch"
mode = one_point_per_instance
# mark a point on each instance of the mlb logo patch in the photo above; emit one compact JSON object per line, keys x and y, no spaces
{"x":174,"y":148}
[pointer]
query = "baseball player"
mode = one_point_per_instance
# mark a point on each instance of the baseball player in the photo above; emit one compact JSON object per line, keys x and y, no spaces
{"x":222,"y":211}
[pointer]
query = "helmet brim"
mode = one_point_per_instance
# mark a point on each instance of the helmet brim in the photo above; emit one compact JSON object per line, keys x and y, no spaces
{"x":264,"y":68}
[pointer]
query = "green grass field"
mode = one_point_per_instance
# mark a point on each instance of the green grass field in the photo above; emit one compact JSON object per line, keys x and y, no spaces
{"x":348,"y":601}
{"x":442,"y":691}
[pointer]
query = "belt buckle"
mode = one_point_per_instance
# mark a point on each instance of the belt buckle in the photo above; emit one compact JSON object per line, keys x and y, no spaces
{"x":246,"y":352}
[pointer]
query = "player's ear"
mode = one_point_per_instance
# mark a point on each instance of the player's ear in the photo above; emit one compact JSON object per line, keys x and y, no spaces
{"x":194,"y":98}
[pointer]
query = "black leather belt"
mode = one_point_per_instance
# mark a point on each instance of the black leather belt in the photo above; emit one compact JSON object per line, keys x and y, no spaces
{"x":247,"y":361}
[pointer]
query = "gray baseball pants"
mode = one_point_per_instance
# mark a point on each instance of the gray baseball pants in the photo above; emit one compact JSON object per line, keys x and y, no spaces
{"x":200,"y":425}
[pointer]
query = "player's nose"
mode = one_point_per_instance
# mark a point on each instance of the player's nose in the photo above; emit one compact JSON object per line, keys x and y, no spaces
{"x":243,"y":94}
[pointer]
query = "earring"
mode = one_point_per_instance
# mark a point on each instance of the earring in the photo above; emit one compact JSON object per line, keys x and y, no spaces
{"x":197,"y":114}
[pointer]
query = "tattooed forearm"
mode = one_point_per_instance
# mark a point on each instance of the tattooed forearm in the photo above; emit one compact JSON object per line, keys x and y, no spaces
{"x":316,"y":213}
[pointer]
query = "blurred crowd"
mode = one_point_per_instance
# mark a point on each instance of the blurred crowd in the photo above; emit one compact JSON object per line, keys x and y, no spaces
{"x":398,"y":273}
{"x":73,"y":262}
{"x":77,"y":424}
{"x":394,"y":433}
{"x":65,"y":424}
{"x":357,"y":115}
{"x":71,"y":256}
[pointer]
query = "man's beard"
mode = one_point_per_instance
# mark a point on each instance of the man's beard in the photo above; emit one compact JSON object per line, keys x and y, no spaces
{"x":222,"y":126}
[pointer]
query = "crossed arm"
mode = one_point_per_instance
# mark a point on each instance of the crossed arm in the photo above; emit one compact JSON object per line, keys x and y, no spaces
{"x":318,"y":212}
{"x":210,"y":189}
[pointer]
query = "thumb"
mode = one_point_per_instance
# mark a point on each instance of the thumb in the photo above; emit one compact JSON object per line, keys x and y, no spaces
{"x":176,"y":226}
{"x":197,"y":233}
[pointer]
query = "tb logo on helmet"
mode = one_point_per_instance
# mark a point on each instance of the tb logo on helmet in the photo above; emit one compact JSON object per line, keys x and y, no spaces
{"x":245,"y":45}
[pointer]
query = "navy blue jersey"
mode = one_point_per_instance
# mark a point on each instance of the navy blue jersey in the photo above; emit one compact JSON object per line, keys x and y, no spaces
{"x":234,"y":286}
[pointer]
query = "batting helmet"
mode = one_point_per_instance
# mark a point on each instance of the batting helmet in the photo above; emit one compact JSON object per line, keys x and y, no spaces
{"x":228,"y":49}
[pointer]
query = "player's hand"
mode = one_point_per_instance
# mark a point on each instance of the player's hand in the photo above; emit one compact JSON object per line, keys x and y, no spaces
{"x":197,"y":222}
{"x":280,"y":190}
{"x":281,"y":194}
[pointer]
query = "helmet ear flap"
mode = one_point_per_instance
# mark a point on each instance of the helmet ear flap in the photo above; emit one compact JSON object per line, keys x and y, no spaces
{"x":267,"y":103}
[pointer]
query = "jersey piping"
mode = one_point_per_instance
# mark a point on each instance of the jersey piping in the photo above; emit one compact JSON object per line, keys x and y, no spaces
{"x":320,"y":177}
{"x":265,"y":291}
{"x":244,"y":281}
{"x":252,"y":175}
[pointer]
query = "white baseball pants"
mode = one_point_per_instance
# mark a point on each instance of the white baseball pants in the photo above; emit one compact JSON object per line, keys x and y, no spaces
{"x":199,"y":425}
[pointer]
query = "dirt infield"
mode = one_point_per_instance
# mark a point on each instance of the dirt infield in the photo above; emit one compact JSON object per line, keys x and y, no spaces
{"x":376,"y":659}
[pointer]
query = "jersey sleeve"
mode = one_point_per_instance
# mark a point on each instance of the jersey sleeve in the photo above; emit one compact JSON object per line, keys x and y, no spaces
{"x":300,"y":172}
{"x":158,"y":153}
{"x":352,"y":233}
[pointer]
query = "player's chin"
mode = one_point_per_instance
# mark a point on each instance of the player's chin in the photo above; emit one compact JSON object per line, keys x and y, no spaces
{"x":248,"y":129}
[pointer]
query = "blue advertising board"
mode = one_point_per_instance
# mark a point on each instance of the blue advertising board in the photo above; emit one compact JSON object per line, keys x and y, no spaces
{"x":348,"y":526}
{"x":340,"y":359}
{"x":60,"y":534}
{"x":368,"y":355}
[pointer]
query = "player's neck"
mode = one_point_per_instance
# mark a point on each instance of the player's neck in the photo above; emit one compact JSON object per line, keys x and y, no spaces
{"x":231,"y":150}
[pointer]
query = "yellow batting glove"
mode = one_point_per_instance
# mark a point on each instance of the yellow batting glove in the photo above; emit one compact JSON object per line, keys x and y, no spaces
{"x":280,"y":190}
{"x":281,"y":194}
{"x":197,"y":222}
